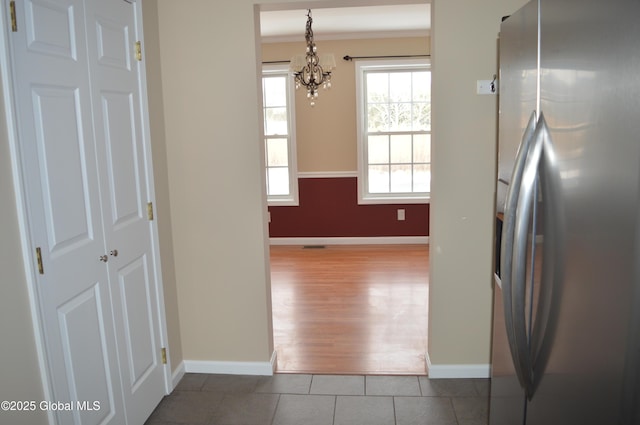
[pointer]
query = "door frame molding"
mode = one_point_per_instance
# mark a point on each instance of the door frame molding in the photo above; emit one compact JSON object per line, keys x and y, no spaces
{"x":10,"y":115}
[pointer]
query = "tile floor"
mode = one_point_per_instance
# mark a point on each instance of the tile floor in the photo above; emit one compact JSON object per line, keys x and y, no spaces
{"x":296,"y":399}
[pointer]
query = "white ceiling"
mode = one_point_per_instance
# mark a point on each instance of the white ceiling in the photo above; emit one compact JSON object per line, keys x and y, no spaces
{"x":347,"y":22}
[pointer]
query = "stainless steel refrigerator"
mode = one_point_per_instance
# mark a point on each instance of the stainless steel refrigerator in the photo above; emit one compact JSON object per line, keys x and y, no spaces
{"x":566,"y":343}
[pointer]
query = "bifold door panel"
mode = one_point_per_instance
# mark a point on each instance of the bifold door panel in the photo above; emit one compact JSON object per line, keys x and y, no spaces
{"x":85,"y":177}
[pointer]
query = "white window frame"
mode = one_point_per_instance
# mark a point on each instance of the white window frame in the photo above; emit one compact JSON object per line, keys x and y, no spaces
{"x":292,"y":199}
{"x":364,"y":197}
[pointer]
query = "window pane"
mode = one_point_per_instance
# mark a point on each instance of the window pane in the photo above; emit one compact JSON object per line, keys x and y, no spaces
{"x":421,"y":116}
{"x":378,"y":118}
{"x":422,"y":148}
{"x":401,"y":149}
{"x":275,"y":91}
{"x":378,"y":149}
{"x":398,"y":107}
{"x":421,"y":86}
{"x":400,"y":86}
{"x":275,"y":121}
{"x":377,"y":87}
{"x":276,"y":86}
{"x":378,"y":179}
{"x":278,"y":181}
{"x":422,"y":178}
{"x":400,"y":117}
{"x":277,"y":153}
{"x":400,"y":178}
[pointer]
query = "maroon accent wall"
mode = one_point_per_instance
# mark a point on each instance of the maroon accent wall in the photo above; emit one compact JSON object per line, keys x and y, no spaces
{"x":329,"y":208}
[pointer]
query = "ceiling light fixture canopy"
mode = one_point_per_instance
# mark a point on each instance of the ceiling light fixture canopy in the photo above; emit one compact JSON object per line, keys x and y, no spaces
{"x":310,"y":70}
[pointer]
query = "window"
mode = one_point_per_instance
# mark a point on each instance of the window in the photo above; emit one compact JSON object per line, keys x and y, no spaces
{"x":279,"y":136}
{"x":394,"y":131}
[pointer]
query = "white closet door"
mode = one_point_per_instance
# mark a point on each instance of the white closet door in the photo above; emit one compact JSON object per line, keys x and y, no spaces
{"x":114,"y":69}
{"x":77,"y":93}
{"x":52,"y":95}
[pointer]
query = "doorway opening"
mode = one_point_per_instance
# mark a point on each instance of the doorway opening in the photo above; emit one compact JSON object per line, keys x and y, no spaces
{"x":349,"y":307}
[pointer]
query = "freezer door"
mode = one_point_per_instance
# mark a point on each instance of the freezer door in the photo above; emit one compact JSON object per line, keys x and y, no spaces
{"x":518,"y":89}
{"x":507,"y":397}
{"x":589,"y":95}
{"x":518,"y":100}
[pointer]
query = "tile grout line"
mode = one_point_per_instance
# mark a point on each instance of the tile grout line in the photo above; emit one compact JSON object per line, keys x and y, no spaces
{"x":455,"y":413}
{"x":395,"y":417}
{"x":310,"y":383}
{"x":273,"y":416}
{"x":335,"y":408}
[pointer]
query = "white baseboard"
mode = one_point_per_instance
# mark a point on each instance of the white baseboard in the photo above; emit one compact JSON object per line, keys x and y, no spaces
{"x":444,"y":371}
{"x":177,"y":375}
{"x":379,"y":240}
{"x":232,"y":368}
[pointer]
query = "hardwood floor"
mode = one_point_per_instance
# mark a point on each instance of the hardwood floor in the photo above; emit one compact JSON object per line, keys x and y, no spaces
{"x":350,"y":309}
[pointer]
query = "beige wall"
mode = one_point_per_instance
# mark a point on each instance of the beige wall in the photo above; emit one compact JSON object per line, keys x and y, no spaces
{"x":326,"y":133}
{"x":161,"y":178}
{"x":218,"y":207}
{"x":462,"y":193}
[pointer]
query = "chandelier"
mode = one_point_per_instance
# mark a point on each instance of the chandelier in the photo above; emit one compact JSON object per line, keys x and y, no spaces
{"x":310,"y":70}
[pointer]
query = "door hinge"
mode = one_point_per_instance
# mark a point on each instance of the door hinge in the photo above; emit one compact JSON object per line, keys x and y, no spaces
{"x":138,"y":50}
{"x":164,"y":355}
{"x":150,"y":211}
{"x":39,"y":260}
{"x":14,"y":20}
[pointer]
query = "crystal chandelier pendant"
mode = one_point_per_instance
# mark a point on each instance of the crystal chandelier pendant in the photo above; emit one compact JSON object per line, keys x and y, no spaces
{"x":312,"y":71}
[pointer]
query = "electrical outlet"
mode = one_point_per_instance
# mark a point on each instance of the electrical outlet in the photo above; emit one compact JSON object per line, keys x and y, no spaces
{"x":400,"y":215}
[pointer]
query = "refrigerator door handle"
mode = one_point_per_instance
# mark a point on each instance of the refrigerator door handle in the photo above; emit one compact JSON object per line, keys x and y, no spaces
{"x":526,"y":200}
{"x":551,"y":279}
{"x":507,"y":243}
